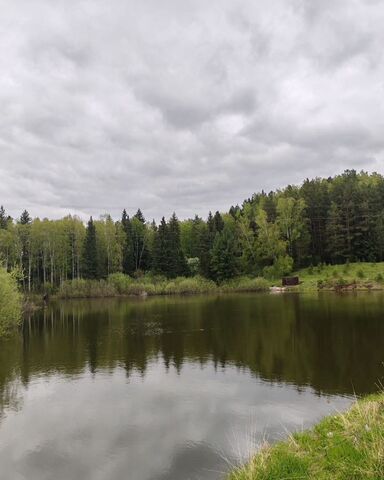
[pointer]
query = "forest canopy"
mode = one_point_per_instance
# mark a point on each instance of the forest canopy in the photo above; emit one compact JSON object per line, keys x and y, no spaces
{"x":332,"y":220}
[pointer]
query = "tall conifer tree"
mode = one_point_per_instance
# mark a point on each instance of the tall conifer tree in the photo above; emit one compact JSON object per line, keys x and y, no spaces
{"x":177,"y":264}
{"x":128,"y":257}
{"x":161,"y":251}
{"x":90,"y":264}
{"x":3,"y":218}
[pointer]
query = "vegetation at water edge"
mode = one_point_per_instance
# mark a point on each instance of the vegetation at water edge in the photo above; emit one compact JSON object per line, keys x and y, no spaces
{"x":341,"y":447}
{"x":10,"y":302}
{"x":120,"y":284}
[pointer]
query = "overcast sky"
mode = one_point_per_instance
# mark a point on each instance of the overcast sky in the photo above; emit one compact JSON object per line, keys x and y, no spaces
{"x":185,"y":105}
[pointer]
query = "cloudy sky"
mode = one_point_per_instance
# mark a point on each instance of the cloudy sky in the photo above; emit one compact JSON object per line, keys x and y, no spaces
{"x":183,"y":105}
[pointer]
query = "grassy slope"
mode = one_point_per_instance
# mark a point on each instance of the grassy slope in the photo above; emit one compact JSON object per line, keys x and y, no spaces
{"x":360,"y":276}
{"x":347,"y":446}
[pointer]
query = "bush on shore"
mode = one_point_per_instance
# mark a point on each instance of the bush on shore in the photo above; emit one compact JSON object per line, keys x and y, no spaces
{"x":10,"y":302}
{"x":119,"y":284}
{"x":86,"y":289}
{"x":342,"y":447}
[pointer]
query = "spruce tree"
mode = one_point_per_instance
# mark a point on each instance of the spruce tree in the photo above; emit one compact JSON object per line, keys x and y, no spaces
{"x":3,"y":218}
{"x":140,"y":239}
{"x":225,"y":261}
{"x":177,"y":263}
{"x":139,"y":215}
{"x":25,"y":219}
{"x":90,"y":263}
{"x":128,"y":257}
{"x":218,"y":222}
{"x":207,"y":238}
{"x":160,"y":254}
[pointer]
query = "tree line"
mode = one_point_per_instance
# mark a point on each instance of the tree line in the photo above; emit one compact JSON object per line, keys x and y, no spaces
{"x":324,"y":220}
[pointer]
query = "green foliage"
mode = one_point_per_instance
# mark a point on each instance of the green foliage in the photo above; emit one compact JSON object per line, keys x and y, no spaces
{"x":193,"y":265}
{"x":282,"y":266}
{"x":177,"y":263}
{"x":357,"y":276}
{"x":90,"y":254}
{"x":324,"y":221}
{"x":245,"y":284}
{"x":360,"y":273}
{"x":149,"y":284}
{"x":225,"y":261}
{"x":291,"y":220}
{"x":120,"y":284}
{"x":86,"y":289}
{"x":342,"y":447}
{"x":10,"y":302}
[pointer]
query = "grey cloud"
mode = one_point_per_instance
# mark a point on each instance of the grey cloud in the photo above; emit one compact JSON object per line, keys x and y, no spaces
{"x":185,"y":107}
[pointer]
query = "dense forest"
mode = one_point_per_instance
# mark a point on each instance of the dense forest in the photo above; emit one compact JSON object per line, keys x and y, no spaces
{"x":332,"y":220}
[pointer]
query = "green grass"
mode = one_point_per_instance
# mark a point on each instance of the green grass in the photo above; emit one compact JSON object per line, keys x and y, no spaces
{"x":119,"y":284}
{"x":347,"y":446}
{"x":352,"y":276}
{"x":10,"y":303}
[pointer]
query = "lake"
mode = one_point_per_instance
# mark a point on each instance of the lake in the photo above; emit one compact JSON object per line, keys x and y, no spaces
{"x":178,"y":388}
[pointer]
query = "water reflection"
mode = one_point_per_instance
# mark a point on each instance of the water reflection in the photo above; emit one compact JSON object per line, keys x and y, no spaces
{"x":168,"y":388}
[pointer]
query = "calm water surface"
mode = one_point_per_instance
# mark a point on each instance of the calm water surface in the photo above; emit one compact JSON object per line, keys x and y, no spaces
{"x":177,"y":388}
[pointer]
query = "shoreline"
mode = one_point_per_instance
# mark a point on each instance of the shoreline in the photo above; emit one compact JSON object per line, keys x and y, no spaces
{"x":343,"y":446}
{"x":33,"y":299}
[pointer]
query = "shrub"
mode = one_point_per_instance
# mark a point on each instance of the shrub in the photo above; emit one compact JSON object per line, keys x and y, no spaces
{"x":360,"y":274}
{"x":10,"y":302}
{"x":120,"y":282}
{"x":86,"y":289}
{"x":379,"y":278}
{"x":282,"y":266}
{"x":193,"y":265}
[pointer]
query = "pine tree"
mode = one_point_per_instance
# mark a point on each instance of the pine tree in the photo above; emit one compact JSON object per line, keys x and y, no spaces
{"x":335,"y":235}
{"x":316,"y":196}
{"x":90,"y":263}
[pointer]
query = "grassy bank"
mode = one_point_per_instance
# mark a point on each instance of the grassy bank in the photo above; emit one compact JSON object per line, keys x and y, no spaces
{"x":351,"y":276}
{"x":342,"y":447}
{"x":10,"y":303}
{"x":122,"y":285}
{"x":354,"y":276}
